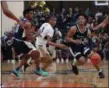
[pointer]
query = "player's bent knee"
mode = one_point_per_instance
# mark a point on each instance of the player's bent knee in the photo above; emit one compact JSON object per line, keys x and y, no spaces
{"x":35,"y":53}
{"x":81,"y":60}
{"x":46,"y":59}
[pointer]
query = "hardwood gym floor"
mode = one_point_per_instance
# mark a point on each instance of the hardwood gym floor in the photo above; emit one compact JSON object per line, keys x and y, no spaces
{"x":62,"y":77}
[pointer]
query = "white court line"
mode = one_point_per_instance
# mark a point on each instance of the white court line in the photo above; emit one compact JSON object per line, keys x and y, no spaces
{"x":40,"y":78}
{"x":43,"y":84}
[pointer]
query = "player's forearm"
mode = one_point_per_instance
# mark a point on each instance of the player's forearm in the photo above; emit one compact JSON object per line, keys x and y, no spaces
{"x":103,"y":24}
{"x":100,"y":25}
{"x":70,"y":40}
{"x":7,"y":12}
{"x":52,"y":44}
{"x":11,"y":15}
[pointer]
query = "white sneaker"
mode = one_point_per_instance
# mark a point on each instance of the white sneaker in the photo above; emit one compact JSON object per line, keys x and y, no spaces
{"x":57,"y":61}
{"x":62,"y":61}
{"x":29,"y":60}
{"x":67,"y":61}
{"x":22,"y":69}
{"x":8,"y":61}
{"x":19,"y":61}
{"x":13,"y":61}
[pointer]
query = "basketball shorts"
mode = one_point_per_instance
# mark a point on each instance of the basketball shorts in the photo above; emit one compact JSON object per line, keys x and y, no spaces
{"x":42,"y":49}
{"x":80,"y":50}
{"x":20,"y":47}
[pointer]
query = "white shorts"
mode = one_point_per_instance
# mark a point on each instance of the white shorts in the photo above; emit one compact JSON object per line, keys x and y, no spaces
{"x":52,"y":51}
{"x":42,"y":49}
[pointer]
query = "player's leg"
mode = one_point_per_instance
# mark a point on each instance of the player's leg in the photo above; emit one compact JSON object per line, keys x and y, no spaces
{"x":27,"y":64}
{"x":22,"y":50}
{"x":30,"y":53}
{"x":15,"y":72}
{"x":79,"y":58}
{"x":29,"y":61}
{"x":96,"y":61}
{"x":46,"y":59}
{"x":36,"y":57}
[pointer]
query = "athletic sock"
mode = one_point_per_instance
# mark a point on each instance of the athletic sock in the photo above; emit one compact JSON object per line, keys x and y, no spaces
{"x":74,"y":62}
{"x":100,"y":70}
{"x":18,"y":68}
{"x":38,"y":68}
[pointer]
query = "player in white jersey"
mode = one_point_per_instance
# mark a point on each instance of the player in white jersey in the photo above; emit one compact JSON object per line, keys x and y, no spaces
{"x":46,"y":34}
{"x":45,"y":30}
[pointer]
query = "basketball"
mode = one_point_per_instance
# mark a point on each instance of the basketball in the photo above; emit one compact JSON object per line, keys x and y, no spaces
{"x":95,"y":59}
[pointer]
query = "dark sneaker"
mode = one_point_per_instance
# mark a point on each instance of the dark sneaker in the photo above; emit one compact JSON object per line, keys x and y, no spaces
{"x":75,"y":70}
{"x":101,"y":75}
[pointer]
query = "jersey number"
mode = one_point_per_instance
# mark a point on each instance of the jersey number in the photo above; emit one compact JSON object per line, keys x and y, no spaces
{"x":42,"y":29}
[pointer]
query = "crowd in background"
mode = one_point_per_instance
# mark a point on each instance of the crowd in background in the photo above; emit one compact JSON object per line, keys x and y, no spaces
{"x":65,"y":19}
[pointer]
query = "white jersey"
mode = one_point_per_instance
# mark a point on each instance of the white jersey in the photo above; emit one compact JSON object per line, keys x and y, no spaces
{"x":45,"y":30}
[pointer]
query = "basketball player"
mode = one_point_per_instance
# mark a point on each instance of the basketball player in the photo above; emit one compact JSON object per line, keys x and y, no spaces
{"x":56,"y":52}
{"x":23,"y":39}
{"x":46,"y":34}
{"x":28,"y":14}
{"x":9,"y":14}
{"x":78,"y":37}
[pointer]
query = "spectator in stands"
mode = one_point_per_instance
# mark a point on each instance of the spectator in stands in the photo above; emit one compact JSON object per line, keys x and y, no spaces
{"x":106,"y":51}
{"x":88,"y":12}
{"x":98,"y":14}
{"x":76,"y":12}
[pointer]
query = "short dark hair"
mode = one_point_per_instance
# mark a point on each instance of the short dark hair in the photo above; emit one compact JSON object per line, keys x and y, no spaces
{"x":82,"y":14}
{"x":27,"y":10}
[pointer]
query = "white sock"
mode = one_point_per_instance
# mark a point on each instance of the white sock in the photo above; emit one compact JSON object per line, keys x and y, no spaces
{"x":29,"y":60}
{"x":41,"y":65}
{"x":74,"y":62}
{"x":67,"y":61}
{"x":57,"y":60}
{"x":100,"y":70}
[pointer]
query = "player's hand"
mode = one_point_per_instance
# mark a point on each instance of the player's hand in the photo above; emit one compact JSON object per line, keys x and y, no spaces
{"x":22,"y":24}
{"x":19,"y":22}
{"x":95,"y":28}
{"x":78,"y":41}
{"x":85,"y":42}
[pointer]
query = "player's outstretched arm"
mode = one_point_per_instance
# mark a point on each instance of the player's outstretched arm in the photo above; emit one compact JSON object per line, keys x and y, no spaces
{"x":7,"y":12}
{"x":102,"y":24}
